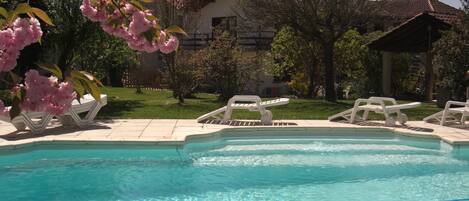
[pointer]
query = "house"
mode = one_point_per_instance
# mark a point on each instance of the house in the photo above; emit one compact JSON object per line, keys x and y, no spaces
{"x":253,"y":39}
{"x":207,"y":14}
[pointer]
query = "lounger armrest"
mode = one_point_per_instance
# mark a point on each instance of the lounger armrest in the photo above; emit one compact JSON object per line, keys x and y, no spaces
{"x":254,"y":99}
{"x":451,"y":103}
{"x":392,"y":100}
{"x":361,"y":101}
{"x":245,"y":98}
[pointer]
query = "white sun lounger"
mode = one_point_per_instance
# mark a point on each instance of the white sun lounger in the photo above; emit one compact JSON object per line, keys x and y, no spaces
{"x":38,"y":121}
{"x":251,"y":103}
{"x":35,"y":121}
{"x":87,"y":104}
{"x":448,"y":114}
{"x":377,"y":105}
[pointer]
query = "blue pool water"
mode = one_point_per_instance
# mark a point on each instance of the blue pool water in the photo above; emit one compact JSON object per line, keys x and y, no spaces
{"x":372,"y":167}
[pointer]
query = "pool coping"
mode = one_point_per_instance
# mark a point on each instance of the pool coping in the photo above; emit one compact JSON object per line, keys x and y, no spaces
{"x":177,"y":132}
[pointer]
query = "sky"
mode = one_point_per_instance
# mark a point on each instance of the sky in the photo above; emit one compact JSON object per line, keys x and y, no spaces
{"x":454,"y":3}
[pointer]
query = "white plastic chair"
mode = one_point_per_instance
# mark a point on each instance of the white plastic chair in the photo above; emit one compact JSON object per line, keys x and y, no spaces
{"x":377,"y":105}
{"x":251,"y":103}
{"x":35,"y":121}
{"x":448,"y":115}
{"x":87,"y":104}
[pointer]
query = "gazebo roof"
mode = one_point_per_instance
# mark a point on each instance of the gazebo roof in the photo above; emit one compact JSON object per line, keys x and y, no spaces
{"x":414,"y":35}
{"x":406,"y":9}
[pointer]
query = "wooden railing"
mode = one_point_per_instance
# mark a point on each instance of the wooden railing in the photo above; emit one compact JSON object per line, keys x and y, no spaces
{"x":247,"y":40}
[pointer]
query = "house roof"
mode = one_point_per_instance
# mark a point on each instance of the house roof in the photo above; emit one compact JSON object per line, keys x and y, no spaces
{"x":193,"y":5}
{"x":415,"y":35}
{"x":406,"y":9}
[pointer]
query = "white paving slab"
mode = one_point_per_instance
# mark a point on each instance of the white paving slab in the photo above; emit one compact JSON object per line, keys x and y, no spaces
{"x":176,"y":131}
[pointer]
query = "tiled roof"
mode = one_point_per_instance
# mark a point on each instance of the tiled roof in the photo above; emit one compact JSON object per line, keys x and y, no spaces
{"x":193,"y":5}
{"x":406,"y":9}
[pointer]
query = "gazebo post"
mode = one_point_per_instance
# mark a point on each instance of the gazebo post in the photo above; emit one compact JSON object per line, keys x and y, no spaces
{"x":387,"y":73}
{"x":429,"y":68}
{"x":429,"y":76}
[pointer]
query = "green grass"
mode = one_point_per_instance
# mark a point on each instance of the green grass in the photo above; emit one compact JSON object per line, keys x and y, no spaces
{"x":124,"y":103}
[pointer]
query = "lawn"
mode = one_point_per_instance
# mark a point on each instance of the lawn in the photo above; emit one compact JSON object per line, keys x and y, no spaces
{"x":124,"y":103}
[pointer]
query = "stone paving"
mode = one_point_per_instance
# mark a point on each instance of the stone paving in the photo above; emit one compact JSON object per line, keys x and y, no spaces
{"x":176,"y":131}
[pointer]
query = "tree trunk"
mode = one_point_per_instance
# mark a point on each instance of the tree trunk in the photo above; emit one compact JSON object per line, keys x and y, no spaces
{"x":312,"y":84}
{"x":331,"y":94}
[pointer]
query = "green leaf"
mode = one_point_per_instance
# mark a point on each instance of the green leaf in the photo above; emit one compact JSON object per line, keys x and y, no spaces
{"x":93,"y":89}
{"x":137,"y":4}
{"x":89,"y":84}
{"x":42,"y":15}
{"x":15,"y":107}
{"x":11,"y":16}
{"x":23,"y":8}
{"x":15,"y":78}
{"x":52,"y":68}
{"x":147,"y":1}
{"x":149,"y":34}
{"x":175,"y":29}
{"x":78,"y":87}
{"x":4,"y":12}
{"x":92,"y":78}
{"x":151,"y":18}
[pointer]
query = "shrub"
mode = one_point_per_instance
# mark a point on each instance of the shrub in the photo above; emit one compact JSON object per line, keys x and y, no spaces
{"x":225,"y":68}
{"x":183,"y":74}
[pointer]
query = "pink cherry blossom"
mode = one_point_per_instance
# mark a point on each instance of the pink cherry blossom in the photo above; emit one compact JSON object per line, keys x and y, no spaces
{"x":168,"y":46}
{"x":46,"y":94}
{"x":139,"y":23}
{"x":130,"y":27}
{"x":15,"y":37}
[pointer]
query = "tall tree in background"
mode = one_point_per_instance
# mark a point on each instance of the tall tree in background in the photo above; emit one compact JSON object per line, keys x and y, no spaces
{"x":324,"y":21}
{"x":451,"y":58}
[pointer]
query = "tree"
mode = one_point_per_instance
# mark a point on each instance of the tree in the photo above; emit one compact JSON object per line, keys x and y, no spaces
{"x":63,"y":41}
{"x":224,"y":66}
{"x":324,"y":21}
{"x":297,"y":58}
{"x":451,"y":58}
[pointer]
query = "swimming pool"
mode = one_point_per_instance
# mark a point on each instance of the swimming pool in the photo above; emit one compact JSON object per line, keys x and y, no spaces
{"x":290,"y":165}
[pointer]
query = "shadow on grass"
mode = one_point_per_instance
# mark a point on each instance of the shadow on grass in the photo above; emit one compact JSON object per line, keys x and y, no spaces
{"x":116,"y":107}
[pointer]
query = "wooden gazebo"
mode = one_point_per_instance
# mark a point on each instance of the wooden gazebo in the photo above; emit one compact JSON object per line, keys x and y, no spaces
{"x":416,"y":36}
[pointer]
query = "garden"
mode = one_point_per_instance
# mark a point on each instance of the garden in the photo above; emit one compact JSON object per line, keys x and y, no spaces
{"x":89,"y":46}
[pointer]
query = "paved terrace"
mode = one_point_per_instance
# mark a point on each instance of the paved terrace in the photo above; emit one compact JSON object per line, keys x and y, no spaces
{"x":176,"y":131}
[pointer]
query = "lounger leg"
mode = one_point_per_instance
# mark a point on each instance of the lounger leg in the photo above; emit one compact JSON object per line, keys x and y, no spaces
{"x":266,"y":117}
{"x":365,"y":115}
{"x":37,"y":127}
{"x":21,"y":126}
{"x":353,"y":116}
{"x":443,"y":117}
{"x":227,"y":115}
{"x":389,"y":120}
{"x":78,"y":121}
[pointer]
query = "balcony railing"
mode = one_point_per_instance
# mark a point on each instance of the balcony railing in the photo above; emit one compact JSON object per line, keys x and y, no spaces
{"x":247,"y":40}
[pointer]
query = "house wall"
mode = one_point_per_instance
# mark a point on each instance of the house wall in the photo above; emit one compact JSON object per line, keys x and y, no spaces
{"x":203,"y":18}
{"x":200,"y":22}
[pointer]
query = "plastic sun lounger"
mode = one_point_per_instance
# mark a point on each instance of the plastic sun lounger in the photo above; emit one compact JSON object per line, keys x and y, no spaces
{"x":251,"y":103}
{"x":87,"y":104}
{"x":377,"y":105}
{"x":448,"y":114}
{"x":35,"y":121}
